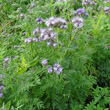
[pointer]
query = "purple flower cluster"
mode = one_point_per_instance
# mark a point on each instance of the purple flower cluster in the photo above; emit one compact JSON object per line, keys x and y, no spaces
{"x":56,"y":67}
{"x":30,"y":40}
{"x":77,"y":22}
{"x":106,"y":1}
{"x":39,"y":20}
{"x":81,"y":11}
{"x":44,"y":62}
{"x":107,"y":10}
{"x":56,"y":22}
{"x":49,"y":36}
{"x":88,"y":2}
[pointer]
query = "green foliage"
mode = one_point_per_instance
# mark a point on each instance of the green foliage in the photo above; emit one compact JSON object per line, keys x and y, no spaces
{"x":83,"y":54}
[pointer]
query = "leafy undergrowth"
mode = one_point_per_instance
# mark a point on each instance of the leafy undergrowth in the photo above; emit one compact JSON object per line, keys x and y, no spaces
{"x":55,"y":55}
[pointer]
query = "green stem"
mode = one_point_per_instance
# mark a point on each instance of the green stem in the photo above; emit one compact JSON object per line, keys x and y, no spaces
{"x":68,"y":46}
{"x":32,"y":51}
{"x":51,"y":8}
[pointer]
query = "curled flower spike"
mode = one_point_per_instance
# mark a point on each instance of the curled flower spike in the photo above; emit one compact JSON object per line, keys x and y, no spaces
{"x":77,"y":22}
{"x":44,"y":62}
{"x":57,"y":68}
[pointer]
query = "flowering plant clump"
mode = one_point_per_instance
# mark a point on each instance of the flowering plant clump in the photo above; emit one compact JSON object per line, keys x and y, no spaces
{"x":55,"y":55}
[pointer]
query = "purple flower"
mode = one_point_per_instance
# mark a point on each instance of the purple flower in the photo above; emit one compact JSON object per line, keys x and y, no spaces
{"x":1,"y":87}
{"x":49,"y":43}
{"x":38,"y":20}
{"x":79,"y":11}
{"x":86,"y":14}
{"x":106,"y":8}
{"x":63,"y":26}
{"x":88,"y":2}
{"x":15,"y":46}
{"x":57,"y":68}
{"x":50,"y":70}
{"x":54,"y":45}
{"x":61,"y":0}
{"x":1,"y":95}
{"x":35,"y":31}
{"x":90,"y":37}
{"x":107,"y":46}
{"x":24,"y":33}
{"x":22,"y":16}
{"x":32,"y":6}
{"x":34,"y":39}
{"x":44,"y":62}
{"x":6,"y":60}
{"x":77,"y":22}
{"x":28,"y":40}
